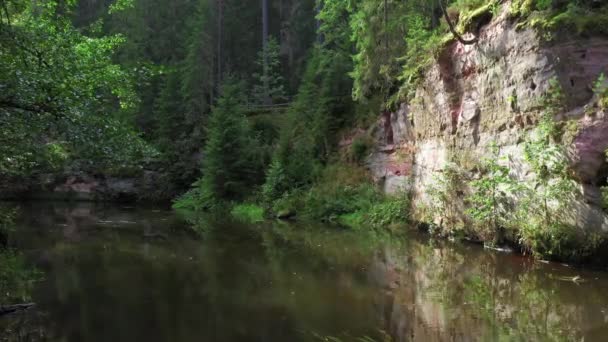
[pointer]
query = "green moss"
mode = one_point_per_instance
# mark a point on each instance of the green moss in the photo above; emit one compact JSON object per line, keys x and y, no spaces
{"x":573,"y":18}
{"x":582,"y":21}
{"x":470,"y":20}
{"x":569,"y":131}
{"x":521,"y":8}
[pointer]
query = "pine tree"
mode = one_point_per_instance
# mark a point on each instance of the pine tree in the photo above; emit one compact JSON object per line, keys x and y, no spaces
{"x":226,"y":162}
{"x":269,"y":87}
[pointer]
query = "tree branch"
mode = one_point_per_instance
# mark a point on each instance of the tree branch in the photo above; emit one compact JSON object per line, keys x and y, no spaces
{"x":472,"y":41}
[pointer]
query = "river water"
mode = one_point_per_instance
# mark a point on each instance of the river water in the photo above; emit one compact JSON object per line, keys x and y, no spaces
{"x":116,"y":273}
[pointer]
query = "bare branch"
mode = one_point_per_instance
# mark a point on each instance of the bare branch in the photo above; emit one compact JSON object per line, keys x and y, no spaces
{"x":458,"y":36}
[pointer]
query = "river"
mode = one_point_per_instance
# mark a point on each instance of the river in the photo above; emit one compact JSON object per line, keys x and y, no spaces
{"x":120,"y":273}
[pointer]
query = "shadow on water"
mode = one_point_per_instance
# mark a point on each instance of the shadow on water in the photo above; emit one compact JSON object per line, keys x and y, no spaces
{"x":136,"y":274}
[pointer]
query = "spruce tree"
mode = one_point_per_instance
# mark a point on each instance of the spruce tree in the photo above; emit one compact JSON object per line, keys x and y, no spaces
{"x":269,"y":87}
{"x":226,"y":159}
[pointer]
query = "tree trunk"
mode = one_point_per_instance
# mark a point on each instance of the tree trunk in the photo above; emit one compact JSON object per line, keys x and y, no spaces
{"x":220,"y":28}
{"x":267,"y":99}
{"x":386,"y":25}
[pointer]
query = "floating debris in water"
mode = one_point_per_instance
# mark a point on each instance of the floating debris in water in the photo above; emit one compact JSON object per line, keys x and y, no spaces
{"x":116,"y":222}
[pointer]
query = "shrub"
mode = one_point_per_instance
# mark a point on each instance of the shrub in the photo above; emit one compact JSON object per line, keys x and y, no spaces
{"x":189,"y":201}
{"x":360,"y":149}
{"x":600,"y":88}
{"x":445,"y":190}
{"x":247,"y":212}
{"x":288,"y":204}
{"x":558,"y":241}
{"x":543,"y":201}
{"x":389,"y":211}
{"x":491,"y":196}
{"x":276,"y":182}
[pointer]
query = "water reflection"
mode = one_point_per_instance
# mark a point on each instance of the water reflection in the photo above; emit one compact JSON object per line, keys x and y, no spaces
{"x":124,"y":274}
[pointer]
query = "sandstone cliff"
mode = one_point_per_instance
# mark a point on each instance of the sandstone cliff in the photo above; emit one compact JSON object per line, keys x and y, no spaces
{"x":477,"y":95}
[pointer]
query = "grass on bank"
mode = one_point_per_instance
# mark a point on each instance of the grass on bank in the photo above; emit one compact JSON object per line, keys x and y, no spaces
{"x":248,"y":212}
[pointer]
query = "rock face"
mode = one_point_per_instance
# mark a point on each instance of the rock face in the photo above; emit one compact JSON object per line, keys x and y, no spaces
{"x":478,"y":95}
{"x":81,"y":186}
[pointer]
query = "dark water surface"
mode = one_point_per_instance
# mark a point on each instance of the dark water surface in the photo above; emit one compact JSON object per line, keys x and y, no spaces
{"x":116,"y":273}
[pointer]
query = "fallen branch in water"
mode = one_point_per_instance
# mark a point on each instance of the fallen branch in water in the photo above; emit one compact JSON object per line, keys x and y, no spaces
{"x":9,"y":309}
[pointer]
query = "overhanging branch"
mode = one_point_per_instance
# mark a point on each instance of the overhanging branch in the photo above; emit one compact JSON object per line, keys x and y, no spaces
{"x":458,"y":36}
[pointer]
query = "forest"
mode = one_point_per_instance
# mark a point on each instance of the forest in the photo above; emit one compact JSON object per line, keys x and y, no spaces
{"x":241,"y":106}
{"x":481,"y":122}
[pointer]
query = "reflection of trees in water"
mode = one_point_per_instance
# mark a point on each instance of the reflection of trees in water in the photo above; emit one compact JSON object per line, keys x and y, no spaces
{"x":17,"y":280}
{"x":23,"y":327}
{"x":457,"y":294}
{"x":264,"y":283}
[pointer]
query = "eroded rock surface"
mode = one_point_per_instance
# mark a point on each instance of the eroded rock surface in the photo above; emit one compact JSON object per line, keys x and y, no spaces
{"x":490,"y":92}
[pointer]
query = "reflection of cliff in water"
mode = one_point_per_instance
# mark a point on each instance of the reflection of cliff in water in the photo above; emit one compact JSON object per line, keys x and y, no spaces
{"x":439,"y":293}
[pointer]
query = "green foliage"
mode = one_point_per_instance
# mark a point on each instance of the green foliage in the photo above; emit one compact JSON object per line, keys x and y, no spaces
{"x":247,"y":212}
{"x":523,"y":8}
{"x":390,"y":210}
{"x":444,"y":192}
{"x":469,"y":5}
{"x":315,"y":117}
{"x":360,"y":148}
{"x":225,"y":170}
{"x":490,"y":200}
{"x":600,"y":88}
{"x":120,"y":5}
{"x":543,"y":201}
{"x":423,"y":45}
{"x":583,"y":17}
{"x":62,"y":89}
{"x":377,"y":33}
{"x":268,"y":85}
{"x":276,"y":183}
{"x":327,"y":203}
{"x":190,"y":200}
{"x":231,"y":164}
{"x":343,"y":195}
{"x":359,"y":207}
{"x":373,"y":69}
{"x":543,"y":5}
